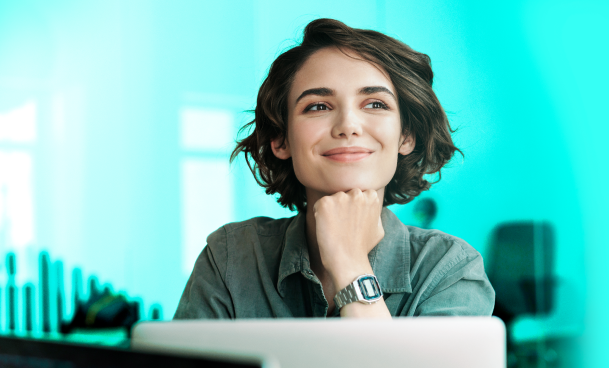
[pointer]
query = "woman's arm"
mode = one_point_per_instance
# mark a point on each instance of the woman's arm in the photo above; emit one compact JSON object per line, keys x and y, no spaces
{"x":206,"y":294}
{"x":461,"y":290}
{"x":356,"y":309}
{"x":347,"y":227}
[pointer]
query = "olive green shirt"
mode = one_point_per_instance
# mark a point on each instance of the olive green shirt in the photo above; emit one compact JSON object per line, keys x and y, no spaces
{"x":260,"y":268}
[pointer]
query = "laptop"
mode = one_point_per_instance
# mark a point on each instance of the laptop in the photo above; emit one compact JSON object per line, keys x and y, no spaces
{"x":19,"y":352}
{"x":421,"y":342}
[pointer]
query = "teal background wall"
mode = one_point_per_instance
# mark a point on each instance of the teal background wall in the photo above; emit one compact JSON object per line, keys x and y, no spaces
{"x":106,"y":161}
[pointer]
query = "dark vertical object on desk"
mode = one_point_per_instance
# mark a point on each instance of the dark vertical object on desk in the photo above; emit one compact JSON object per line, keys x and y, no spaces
{"x":138,"y":309}
{"x":60,"y":292}
{"x":28,"y":303}
{"x":76,"y":286}
{"x":156,"y":313}
{"x":45,"y":302}
{"x":93,"y":289}
{"x":11,"y":293}
{"x":11,"y":301}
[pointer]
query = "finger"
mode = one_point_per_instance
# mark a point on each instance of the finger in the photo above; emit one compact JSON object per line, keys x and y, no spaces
{"x":315,"y":206}
{"x":371,"y":194}
{"x":355,"y":191}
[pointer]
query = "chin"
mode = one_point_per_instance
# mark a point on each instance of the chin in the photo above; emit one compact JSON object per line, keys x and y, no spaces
{"x":347,"y":185}
{"x":343,"y":180}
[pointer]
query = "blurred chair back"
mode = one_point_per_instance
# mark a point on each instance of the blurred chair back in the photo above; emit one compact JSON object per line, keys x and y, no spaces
{"x":520,"y":266}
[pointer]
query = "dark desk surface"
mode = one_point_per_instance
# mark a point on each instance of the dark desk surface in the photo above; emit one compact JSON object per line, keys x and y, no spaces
{"x":53,"y":351}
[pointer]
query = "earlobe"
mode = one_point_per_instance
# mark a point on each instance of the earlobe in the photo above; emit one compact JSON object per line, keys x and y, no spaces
{"x":280,"y":148}
{"x":408,"y":144}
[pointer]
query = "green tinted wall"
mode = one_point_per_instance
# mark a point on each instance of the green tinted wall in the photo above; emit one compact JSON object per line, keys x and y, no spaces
{"x":108,"y":159}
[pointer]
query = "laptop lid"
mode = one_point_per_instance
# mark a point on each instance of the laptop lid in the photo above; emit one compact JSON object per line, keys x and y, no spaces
{"x":425,"y":342}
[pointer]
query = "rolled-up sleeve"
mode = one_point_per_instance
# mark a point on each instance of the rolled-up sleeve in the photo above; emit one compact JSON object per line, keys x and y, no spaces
{"x":206,"y":294}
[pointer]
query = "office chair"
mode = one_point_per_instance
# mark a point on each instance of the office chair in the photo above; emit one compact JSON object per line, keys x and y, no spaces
{"x":520,"y":266}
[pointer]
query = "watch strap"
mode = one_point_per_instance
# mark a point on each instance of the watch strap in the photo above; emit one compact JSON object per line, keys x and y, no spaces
{"x":346,"y":296}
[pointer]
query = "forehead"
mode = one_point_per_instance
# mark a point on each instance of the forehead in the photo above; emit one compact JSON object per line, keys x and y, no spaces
{"x":331,"y":68}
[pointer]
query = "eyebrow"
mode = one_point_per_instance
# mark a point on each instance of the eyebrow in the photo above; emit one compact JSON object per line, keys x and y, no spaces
{"x":375,"y":89}
{"x":323,"y":91}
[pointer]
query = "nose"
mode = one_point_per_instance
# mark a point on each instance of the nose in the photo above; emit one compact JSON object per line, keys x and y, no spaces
{"x":347,"y":124}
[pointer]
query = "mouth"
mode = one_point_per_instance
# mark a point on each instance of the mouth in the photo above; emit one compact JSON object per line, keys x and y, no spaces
{"x":347,"y":154}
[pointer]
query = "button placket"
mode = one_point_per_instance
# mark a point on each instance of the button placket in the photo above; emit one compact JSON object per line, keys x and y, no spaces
{"x":320,"y":304}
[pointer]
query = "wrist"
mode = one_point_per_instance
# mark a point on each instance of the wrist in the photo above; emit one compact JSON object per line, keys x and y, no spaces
{"x":344,"y":276}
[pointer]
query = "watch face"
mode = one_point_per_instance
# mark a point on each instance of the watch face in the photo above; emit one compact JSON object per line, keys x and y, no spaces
{"x":369,"y":288}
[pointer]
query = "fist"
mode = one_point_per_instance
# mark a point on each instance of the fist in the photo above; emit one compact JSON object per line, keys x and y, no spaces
{"x":348,"y":225}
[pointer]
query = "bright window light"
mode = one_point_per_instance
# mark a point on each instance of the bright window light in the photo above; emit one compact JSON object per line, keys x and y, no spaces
{"x":206,"y":204}
{"x":19,"y":124}
{"x":206,"y":130}
{"x":16,"y":207}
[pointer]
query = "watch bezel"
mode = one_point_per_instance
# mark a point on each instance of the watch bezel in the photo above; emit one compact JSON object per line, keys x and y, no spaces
{"x":362,"y":294}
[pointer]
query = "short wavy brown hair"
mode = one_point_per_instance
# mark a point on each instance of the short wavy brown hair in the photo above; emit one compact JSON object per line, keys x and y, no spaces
{"x":421,"y":113}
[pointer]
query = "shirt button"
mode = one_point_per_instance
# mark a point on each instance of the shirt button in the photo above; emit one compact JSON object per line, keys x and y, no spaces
{"x":310,"y":273}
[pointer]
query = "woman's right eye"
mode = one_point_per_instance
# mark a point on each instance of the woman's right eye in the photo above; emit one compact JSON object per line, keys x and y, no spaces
{"x":317,"y":107}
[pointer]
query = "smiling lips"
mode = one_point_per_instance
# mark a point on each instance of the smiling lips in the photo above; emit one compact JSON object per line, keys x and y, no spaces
{"x":347,"y":154}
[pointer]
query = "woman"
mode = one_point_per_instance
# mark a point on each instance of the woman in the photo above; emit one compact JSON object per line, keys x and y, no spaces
{"x":346,"y":124}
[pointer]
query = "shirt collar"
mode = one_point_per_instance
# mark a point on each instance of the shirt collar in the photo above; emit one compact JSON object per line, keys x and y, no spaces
{"x":390,"y":259}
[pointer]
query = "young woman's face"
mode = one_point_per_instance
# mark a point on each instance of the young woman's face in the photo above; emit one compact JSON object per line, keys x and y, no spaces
{"x":344,"y":128}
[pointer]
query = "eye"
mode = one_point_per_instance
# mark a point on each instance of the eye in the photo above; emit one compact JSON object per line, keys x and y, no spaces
{"x":376,"y":105}
{"x":317,"y":107}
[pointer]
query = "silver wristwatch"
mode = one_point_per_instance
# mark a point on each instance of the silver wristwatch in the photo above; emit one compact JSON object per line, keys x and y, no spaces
{"x":365,"y":289}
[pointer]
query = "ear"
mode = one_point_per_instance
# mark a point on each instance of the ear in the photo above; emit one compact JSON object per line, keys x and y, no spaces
{"x":281,"y":148}
{"x":408,"y":143}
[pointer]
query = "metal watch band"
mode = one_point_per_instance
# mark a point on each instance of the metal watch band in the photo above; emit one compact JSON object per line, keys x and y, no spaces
{"x":352,"y":293}
{"x":346,"y":296}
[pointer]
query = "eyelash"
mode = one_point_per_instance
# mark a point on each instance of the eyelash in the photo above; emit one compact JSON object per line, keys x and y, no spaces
{"x":308,"y":108}
{"x":383,"y":105}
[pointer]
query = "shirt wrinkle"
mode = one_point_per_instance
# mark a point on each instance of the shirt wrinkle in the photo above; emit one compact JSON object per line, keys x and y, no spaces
{"x":267,"y":273}
{"x":440,"y":274}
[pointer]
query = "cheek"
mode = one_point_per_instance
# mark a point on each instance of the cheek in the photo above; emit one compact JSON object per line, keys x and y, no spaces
{"x":388,"y":134}
{"x":305,"y":135}
{"x":303,"y":138}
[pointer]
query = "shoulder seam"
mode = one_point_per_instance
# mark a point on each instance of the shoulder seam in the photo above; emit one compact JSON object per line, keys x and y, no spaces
{"x":454,"y":240}
{"x":230,"y":228}
{"x":432,"y":285}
